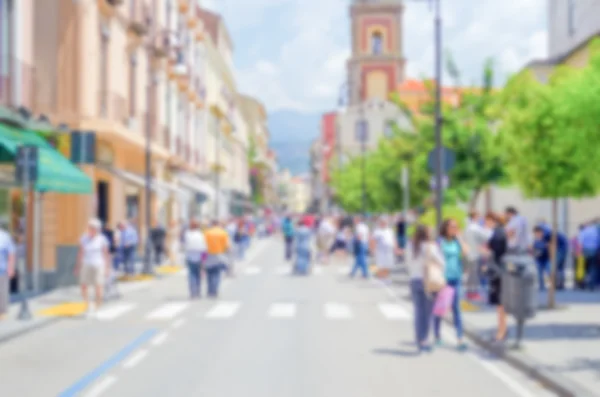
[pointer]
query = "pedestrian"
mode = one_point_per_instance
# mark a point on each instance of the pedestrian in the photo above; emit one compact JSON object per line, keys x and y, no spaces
{"x":385,"y":248}
{"x":541,"y":253}
{"x":288,"y":235}
{"x":303,"y":247}
{"x":516,"y":231}
{"x":340,"y":243}
{"x":174,"y":243}
{"x":476,"y":237}
{"x":195,"y":253}
{"x":218,"y":246}
{"x":497,"y":246}
{"x":7,"y":268}
{"x":325,"y":238}
{"x":426,"y":253}
{"x":158,"y":236}
{"x":361,"y":248}
{"x":453,"y":249}
{"x":589,"y":241}
{"x":129,"y":244}
{"x":401,"y":232}
{"x":93,"y":262}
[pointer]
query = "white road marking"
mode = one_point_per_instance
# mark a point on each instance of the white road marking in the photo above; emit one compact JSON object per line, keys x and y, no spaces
{"x":168,"y":311}
{"x":101,"y":386}
{"x":493,"y":369}
{"x":223,"y":310}
{"x":282,"y":310}
{"x":283,"y":270}
{"x":160,"y":339}
{"x":317,"y":270}
{"x":393,"y":311}
{"x":178,"y":323}
{"x":337,"y":311}
{"x":252,"y":270}
{"x":114,"y":311}
{"x":344,"y":270}
{"x":135,"y":359}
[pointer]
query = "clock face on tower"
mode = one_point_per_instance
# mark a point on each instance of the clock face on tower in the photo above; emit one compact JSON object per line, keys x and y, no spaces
{"x":376,"y":67}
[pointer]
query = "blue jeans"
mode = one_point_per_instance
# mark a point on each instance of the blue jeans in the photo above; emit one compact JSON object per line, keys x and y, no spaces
{"x":129,"y":260}
{"x":423,"y":309}
{"x":456,"y":312}
{"x":194,"y":277}
{"x":542,"y":269}
{"x":213,"y":279}
{"x":360,"y":261}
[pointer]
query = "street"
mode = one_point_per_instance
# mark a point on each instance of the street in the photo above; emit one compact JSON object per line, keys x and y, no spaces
{"x":269,"y":334}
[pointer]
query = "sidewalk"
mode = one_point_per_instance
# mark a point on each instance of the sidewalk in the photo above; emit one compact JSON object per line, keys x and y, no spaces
{"x":560,"y":348}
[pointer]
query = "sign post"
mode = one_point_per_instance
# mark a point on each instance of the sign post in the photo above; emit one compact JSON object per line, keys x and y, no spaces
{"x":439,"y":162}
{"x":27,"y":160}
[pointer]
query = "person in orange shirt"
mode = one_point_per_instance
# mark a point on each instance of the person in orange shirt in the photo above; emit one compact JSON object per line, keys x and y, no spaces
{"x":217,"y":247}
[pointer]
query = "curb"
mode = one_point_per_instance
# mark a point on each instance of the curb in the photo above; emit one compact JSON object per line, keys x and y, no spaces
{"x":24,"y":331}
{"x":553,"y":381}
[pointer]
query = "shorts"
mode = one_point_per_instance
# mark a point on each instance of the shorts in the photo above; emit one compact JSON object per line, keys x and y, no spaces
{"x":91,"y":275}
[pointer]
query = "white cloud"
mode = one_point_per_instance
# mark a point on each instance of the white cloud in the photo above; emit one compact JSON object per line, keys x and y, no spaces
{"x":308,"y":69}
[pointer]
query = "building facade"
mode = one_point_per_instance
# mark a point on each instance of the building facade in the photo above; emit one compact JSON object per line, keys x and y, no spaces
{"x":570,"y":24}
{"x":145,"y":80}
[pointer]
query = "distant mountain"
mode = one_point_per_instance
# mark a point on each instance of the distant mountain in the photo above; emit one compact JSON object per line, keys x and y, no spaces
{"x":292,"y":132}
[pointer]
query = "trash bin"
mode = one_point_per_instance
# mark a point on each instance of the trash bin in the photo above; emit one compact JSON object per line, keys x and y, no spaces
{"x":519,"y":295}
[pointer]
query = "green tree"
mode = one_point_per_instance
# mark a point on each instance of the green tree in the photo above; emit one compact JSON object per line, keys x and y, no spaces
{"x":546,"y":133}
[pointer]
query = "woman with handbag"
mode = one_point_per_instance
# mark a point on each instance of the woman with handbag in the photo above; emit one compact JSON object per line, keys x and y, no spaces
{"x":426,"y":272}
{"x":453,"y":250}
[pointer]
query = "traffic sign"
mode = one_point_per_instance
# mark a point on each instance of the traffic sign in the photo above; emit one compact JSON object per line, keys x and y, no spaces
{"x":448,"y":160}
{"x":26,"y":164}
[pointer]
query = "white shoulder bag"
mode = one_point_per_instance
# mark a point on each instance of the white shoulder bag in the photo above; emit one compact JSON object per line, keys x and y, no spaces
{"x":434,"y":279}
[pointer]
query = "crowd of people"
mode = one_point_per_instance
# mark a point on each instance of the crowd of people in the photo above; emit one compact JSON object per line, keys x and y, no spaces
{"x":208,"y":249}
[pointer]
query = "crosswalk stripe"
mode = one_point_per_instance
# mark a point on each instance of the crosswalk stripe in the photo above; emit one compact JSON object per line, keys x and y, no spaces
{"x":282,"y":310}
{"x":223,"y":310}
{"x":283,"y":270}
{"x":114,"y":311}
{"x":252,"y":270}
{"x":317,"y":270}
{"x":337,"y":311}
{"x":393,"y":311}
{"x":168,"y":311}
{"x":343,"y":270}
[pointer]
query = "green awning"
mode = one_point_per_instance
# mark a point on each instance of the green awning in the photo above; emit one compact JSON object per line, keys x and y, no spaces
{"x":55,"y":172}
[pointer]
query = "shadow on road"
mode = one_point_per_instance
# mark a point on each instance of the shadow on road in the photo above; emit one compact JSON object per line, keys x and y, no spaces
{"x":396,"y":352}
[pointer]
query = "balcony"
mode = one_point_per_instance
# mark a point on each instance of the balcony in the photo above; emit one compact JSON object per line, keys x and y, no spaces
{"x":139,"y":18}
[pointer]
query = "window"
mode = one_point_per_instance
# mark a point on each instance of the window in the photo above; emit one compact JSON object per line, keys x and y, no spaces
{"x":377,"y":43}
{"x":388,"y":131}
{"x":571,"y":17}
{"x":104,"y":42}
{"x":132,"y":84}
{"x":362,"y":130}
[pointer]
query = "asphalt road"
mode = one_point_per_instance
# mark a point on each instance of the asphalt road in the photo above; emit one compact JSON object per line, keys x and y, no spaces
{"x":269,"y":334}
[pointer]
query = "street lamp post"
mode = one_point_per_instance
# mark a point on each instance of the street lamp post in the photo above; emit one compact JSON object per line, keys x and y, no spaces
{"x":439,"y":189}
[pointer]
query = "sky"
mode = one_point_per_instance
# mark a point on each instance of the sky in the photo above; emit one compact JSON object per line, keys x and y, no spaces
{"x":291,"y":54}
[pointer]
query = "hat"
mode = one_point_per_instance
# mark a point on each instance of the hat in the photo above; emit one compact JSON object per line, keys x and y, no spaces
{"x":95,"y":223}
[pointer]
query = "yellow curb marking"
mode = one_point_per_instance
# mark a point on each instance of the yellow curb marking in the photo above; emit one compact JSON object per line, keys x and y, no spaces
{"x":138,"y":277}
{"x":169,"y":269}
{"x":68,"y":309}
{"x":468,"y":306}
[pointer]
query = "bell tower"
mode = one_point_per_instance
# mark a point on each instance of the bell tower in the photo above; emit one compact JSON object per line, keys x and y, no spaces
{"x":376,"y":66}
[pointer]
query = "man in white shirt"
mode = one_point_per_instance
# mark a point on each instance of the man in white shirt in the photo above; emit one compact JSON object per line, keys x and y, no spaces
{"x":93,"y":263}
{"x":361,"y":248}
{"x":476,"y":237}
{"x":516,"y":231}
